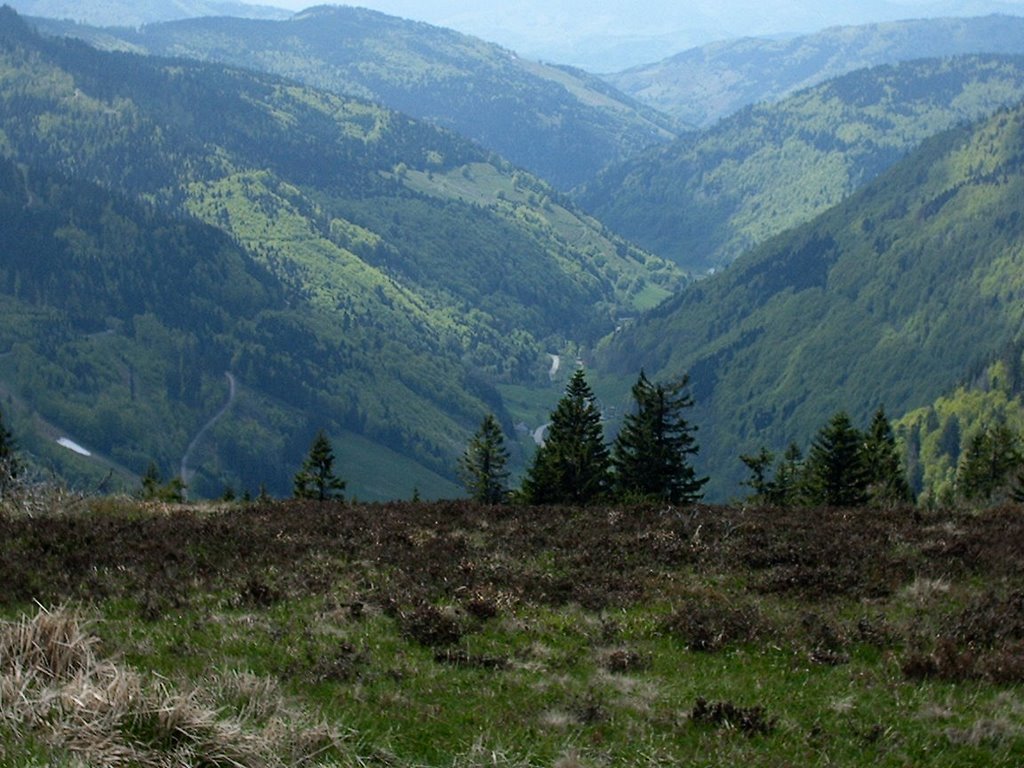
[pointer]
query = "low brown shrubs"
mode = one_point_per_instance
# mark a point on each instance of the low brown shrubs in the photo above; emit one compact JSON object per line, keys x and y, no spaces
{"x":711,"y":622}
{"x":431,"y":626}
{"x":751,"y":721}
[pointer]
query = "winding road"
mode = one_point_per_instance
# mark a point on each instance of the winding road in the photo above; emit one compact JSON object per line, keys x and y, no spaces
{"x":556,"y":363}
{"x":186,"y":473}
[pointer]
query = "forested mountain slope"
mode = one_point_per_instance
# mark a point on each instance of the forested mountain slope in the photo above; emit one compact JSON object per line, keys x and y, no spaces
{"x":705,"y":199}
{"x":416,"y":272}
{"x":561,"y":124}
{"x":884,"y":300}
{"x":705,"y":84}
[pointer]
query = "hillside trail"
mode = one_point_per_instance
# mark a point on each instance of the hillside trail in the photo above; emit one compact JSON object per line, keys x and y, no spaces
{"x":186,"y":474}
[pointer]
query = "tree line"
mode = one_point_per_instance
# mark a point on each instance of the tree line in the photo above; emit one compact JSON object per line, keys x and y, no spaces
{"x":648,"y":460}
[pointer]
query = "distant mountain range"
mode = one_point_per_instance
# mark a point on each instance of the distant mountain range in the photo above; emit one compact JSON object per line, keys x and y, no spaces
{"x":702,"y":85}
{"x":559,"y":123}
{"x":134,"y":13}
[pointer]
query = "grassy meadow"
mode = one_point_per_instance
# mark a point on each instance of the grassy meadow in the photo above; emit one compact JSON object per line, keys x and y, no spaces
{"x":449,"y":634}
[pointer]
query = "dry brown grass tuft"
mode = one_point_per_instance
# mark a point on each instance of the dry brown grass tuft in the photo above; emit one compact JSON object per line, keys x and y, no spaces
{"x":55,"y":689}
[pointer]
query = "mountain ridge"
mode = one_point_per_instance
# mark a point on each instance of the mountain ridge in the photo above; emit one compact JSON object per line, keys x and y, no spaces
{"x":557,"y":122}
{"x":885,"y":299}
{"x":705,"y":199}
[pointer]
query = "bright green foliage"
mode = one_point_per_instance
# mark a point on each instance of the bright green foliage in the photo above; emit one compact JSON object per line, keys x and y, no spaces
{"x":483,"y":465}
{"x":316,"y":480}
{"x":936,"y":437}
{"x":573,"y":465}
{"x":651,"y":454}
{"x":333,"y":265}
{"x":887,"y":482}
{"x":836,"y":474}
{"x":988,"y":464}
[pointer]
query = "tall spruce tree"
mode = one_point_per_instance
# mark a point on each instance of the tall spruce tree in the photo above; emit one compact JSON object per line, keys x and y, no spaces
{"x":652,"y":450}
{"x":572,"y":466}
{"x":887,"y":482}
{"x":316,"y":479}
{"x":986,"y":467}
{"x":482,"y":465}
{"x":10,"y":467}
{"x":835,"y":471}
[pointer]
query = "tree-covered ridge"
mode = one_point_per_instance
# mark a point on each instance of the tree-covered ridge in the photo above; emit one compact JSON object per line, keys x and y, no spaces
{"x":368,"y":223}
{"x":705,"y":199}
{"x":706,"y":84}
{"x":882,"y":301}
{"x":562,"y":124}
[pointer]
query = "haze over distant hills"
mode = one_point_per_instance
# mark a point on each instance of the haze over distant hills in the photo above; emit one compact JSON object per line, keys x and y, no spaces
{"x":611,"y":35}
{"x":131,"y":13}
{"x":355,"y":268}
{"x":703,"y":85}
{"x":596,"y":35}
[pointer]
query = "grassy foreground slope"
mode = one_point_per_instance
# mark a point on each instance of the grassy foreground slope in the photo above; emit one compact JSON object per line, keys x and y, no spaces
{"x":455,"y":635}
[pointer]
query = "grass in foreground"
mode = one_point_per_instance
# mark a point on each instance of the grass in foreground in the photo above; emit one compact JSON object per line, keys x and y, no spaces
{"x":455,"y":635}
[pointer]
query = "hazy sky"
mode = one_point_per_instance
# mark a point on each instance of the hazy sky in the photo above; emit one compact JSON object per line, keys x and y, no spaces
{"x":607,"y":35}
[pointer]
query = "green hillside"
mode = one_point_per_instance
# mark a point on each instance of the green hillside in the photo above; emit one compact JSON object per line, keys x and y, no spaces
{"x":411,"y":274}
{"x":703,"y":85}
{"x":704,"y":200}
{"x":561,"y":124}
{"x":884,"y":300}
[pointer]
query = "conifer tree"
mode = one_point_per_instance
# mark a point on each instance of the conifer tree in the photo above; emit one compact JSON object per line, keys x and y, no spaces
{"x":316,"y":480}
{"x":758,"y":464}
{"x":572,"y":466}
{"x":482,"y":465}
{"x":835,"y":471}
{"x":652,"y":450}
{"x":10,"y":467}
{"x":788,"y":487}
{"x":985,"y":467}
{"x":887,"y":482}
{"x":155,"y":489}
